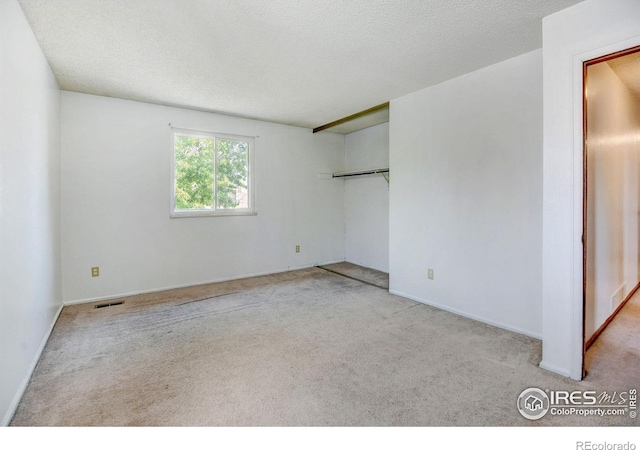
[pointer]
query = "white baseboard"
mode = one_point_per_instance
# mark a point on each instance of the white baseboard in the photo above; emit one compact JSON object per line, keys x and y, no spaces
{"x":468,"y":316}
{"x":199,"y":283}
{"x":23,"y":386}
{"x":555,"y":369}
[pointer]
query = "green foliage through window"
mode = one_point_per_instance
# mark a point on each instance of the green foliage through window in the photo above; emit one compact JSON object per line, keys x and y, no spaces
{"x":194,"y":172}
{"x":233,"y":162}
{"x":201,"y":160}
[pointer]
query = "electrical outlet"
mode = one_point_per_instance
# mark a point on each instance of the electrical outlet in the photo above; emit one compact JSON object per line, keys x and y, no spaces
{"x":297,"y":249}
{"x":430,"y":274}
{"x":95,"y":271}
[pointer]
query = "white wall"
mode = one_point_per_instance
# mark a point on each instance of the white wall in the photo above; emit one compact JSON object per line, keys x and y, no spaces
{"x":613,"y":136}
{"x":30,"y":291}
{"x":466,"y":194}
{"x":585,"y":31}
{"x":116,"y":200}
{"x":366,"y":198}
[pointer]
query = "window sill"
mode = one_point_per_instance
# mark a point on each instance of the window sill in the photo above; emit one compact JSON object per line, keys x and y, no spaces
{"x":207,"y":213}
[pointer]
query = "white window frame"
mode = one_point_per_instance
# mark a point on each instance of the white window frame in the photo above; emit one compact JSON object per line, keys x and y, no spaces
{"x":179,"y":213}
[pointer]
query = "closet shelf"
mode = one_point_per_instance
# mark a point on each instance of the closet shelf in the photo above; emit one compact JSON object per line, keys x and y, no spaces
{"x":356,"y":173}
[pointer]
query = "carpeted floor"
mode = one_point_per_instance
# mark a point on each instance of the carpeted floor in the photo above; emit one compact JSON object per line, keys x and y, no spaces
{"x":307,"y":347}
{"x":614,"y":358}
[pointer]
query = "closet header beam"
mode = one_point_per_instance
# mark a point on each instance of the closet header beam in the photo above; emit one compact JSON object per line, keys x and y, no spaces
{"x":352,"y":117}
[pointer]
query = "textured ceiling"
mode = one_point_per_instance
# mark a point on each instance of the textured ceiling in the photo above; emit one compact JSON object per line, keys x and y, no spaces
{"x":628,"y":70}
{"x":298,"y":62}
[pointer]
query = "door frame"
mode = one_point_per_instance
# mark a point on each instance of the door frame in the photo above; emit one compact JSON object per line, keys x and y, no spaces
{"x":585,"y":174}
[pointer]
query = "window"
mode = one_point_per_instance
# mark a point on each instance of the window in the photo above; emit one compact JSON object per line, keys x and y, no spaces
{"x":212,"y":174}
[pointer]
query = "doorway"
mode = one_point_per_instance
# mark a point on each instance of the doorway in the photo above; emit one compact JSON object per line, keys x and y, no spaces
{"x":611,"y":189}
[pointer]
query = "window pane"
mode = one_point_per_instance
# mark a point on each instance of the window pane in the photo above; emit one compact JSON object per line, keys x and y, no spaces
{"x":231,"y":174}
{"x":194,"y":172}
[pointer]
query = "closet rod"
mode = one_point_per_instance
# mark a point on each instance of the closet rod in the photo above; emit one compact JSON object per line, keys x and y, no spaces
{"x":352,"y":117}
{"x":360,"y":172}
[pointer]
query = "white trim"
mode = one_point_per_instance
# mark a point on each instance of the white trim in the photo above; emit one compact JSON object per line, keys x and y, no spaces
{"x":249,"y":211}
{"x":199,"y":283}
{"x":467,"y":315}
{"x":25,"y":382}
{"x":200,"y":130}
{"x":182,"y":213}
{"x":577,"y":308}
{"x":554,"y":369}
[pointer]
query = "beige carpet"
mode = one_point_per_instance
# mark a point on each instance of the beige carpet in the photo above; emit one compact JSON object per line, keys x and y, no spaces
{"x":307,"y":347}
{"x":615,"y":356}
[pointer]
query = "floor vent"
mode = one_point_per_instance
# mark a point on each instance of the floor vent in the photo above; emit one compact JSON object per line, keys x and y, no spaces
{"x":104,"y":305}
